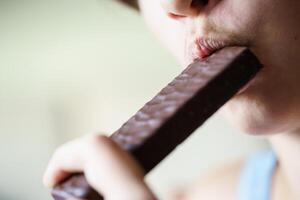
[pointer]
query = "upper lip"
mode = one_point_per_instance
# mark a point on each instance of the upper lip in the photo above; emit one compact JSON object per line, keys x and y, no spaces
{"x":203,"y":47}
{"x":207,"y":46}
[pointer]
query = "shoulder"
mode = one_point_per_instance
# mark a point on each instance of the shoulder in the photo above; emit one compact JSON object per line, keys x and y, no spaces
{"x":220,"y":183}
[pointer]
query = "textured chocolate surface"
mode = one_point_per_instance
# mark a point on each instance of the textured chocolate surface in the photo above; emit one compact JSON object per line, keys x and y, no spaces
{"x":178,"y":110}
{"x":76,"y":186}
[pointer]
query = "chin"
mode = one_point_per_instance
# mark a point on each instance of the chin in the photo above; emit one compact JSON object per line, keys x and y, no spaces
{"x":253,"y":118}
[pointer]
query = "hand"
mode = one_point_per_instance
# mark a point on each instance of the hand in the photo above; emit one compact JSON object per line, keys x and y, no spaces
{"x":109,"y":170}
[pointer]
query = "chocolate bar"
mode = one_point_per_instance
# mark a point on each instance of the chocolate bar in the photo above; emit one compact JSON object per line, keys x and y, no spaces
{"x":175,"y":112}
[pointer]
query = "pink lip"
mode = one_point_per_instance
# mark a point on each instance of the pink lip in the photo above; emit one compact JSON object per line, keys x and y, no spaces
{"x":207,"y":46}
{"x":203,"y":47}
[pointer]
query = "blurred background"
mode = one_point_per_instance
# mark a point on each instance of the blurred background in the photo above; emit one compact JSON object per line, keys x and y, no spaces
{"x":72,"y":67}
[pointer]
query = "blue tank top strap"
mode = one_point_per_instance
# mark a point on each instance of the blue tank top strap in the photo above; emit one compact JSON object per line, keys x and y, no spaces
{"x":256,"y":177}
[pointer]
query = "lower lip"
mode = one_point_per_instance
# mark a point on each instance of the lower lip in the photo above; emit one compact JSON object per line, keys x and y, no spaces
{"x":204,"y":53}
{"x":206,"y":47}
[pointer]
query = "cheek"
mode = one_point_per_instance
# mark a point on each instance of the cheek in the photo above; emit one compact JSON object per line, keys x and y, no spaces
{"x":169,"y":32}
{"x":264,"y":111}
{"x":238,"y":18}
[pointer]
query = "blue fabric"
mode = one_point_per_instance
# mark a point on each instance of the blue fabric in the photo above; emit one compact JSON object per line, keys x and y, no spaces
{"x":256,"y":177}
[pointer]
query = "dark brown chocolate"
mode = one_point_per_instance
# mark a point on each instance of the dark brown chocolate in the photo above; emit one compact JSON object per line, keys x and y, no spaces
{"x":178,"y":110}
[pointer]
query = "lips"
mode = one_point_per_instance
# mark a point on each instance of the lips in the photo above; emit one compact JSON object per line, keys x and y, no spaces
{"x":207,"y":46}
{"x":202,"y":47}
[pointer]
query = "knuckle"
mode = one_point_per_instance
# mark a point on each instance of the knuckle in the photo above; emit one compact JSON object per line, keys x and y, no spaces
{"x":56,"y":156}
{"x":63,"y":149}
{"x":97,"y":141}
{"x":58,"y":151}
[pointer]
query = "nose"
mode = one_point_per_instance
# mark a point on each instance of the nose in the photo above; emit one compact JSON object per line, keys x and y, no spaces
{"x":183,"y":8}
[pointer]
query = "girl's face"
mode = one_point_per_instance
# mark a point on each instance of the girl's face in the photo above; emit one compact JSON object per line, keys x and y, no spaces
{"x":270,"y":28}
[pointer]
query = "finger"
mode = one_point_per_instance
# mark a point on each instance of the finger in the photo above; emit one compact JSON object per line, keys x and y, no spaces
{"x":176,"y":194}
{"x":109,"y":170}
{"x":115,"y":174}
{"x":66,"y":159}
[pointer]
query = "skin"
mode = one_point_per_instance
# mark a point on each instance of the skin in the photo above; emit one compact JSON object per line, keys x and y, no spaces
{"x":269,"y":106}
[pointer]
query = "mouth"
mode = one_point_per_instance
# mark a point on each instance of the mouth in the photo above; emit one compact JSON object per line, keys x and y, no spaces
{"x":203,"y":47}
{"x":207,"y":46}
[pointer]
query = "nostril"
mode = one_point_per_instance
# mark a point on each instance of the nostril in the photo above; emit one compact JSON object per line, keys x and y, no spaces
{"x":180,"y":9}
{"x":175,"y":16}
{"x":199,"y":3}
